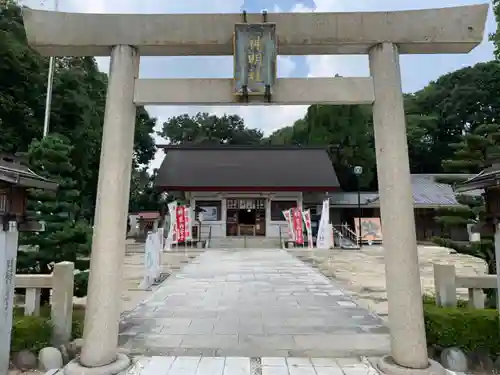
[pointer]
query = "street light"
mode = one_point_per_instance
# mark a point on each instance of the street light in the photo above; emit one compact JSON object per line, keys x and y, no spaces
{"x":50,"y":83}
{"x":358,"y":171}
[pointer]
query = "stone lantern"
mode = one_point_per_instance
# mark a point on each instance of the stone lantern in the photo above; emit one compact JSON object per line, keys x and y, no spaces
{"x":15,"y":180}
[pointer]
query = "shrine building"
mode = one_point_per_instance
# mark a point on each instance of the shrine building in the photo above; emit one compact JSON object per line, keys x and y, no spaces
{"x":242,"y":190}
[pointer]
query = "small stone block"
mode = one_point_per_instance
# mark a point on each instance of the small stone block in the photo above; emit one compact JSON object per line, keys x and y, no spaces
{"x":273,"y":361}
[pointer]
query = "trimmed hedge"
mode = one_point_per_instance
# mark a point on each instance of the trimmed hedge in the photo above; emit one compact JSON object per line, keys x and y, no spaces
{"x":35,"y":332}
{"x":466,"y":328}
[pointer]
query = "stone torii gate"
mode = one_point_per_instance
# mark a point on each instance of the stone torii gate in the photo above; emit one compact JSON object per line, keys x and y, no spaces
{"x":383,"y":36}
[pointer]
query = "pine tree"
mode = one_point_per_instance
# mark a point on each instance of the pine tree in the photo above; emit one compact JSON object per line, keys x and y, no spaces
{"x":66,"y":238}
{"x":472,"y":154}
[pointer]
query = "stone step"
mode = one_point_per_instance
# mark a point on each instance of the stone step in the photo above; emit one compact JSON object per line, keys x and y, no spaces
{"x":248,"y":242}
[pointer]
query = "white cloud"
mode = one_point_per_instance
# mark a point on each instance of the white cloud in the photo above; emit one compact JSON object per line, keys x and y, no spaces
{"x":328,"y":66}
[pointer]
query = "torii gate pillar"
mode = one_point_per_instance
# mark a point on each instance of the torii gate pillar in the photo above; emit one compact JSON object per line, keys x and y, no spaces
{"x":381,"y":35}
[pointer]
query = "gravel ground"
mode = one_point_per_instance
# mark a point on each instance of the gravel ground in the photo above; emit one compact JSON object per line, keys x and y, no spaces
{"x":362,"y":272}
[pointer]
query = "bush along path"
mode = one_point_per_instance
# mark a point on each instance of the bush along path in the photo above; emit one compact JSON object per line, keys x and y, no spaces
{"x":32,"y":337}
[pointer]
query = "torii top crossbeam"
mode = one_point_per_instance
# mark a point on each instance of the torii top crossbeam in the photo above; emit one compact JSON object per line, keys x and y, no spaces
{"x":429,"y":31}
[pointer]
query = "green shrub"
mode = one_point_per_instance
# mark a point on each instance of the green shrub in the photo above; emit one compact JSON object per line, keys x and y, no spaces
{"x":466,"y":328}
{"x":30,"y":332}
{"x":35,"y":332}
{"x":81,"y":284}
{"x":431,"y":300}
{"x":78,"y":321}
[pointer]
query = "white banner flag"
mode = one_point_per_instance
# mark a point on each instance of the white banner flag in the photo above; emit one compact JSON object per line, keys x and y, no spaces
{"x":289,"y":220}
{"x":152,"y":260}
{"x":171,"y":235}
{"x":324,"y":238}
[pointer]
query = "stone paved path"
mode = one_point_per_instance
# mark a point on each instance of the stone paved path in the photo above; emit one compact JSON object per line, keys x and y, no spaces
{"x":251,"y":303}
{"x":250,"y":366}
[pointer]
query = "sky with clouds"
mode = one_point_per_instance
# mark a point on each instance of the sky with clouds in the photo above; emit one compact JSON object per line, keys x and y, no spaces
{"x":417,"y":70}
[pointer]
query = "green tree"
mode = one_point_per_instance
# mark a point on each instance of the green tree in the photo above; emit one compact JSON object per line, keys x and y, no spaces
{"x":289,"y":135}
{"x":471,"y":155}
{"x":78,"y":103}
{"x":143,"y":195}
{"x":66,"y":237}
{"x":346,"y":131}
{"x":495,"y":37}
{"x":204,"y":128}
{"x":453,"y":105}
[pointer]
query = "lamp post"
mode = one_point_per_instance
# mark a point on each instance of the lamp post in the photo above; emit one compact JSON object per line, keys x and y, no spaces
{"x":50,"y":83}
{"x":358,"y":170}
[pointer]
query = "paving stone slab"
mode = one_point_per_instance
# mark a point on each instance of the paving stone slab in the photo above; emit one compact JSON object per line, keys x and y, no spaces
{"x":254,"y":301}
{"x":206,"y":365}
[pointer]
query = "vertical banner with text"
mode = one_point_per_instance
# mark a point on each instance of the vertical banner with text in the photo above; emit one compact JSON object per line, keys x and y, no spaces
{"x":188,"y":223}
{"x":172,"y":231}
{"x":297,"y":226}
{"x":180,"y":218}
{"x":289,"y":220}
{"x":307,"y":220}
{"x":324,"y":237}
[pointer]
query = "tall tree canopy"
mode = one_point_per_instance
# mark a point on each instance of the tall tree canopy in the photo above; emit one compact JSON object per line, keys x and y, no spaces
{"x":78,"y":103}
{"x":346,"y":131}
{"x":204,"y":128}
{"x":473,"y":153}
{"x":143,"y":195}
{"x":66,"y":237}
{"x":437,"y":117}
{"x":495,"y":37}
{"x":441,"y":113}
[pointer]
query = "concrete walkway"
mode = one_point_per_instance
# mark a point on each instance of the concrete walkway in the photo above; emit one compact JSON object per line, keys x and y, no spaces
{"x":251,"y":303}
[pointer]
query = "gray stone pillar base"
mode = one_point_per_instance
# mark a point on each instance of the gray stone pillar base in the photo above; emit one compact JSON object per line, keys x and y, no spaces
{"x":121,"y":363}
{"x":388,"y":366}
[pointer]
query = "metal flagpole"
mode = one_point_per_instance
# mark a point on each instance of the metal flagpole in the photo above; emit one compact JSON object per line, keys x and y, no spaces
{"x":50,"y":83}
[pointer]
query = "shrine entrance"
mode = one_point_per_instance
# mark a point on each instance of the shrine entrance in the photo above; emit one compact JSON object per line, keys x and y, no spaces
{"x":255,"y":41}
{"x":246,"y":217}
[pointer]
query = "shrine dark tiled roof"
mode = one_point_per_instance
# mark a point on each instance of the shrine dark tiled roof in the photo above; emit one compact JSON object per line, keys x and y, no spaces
{"x":246,"y":166}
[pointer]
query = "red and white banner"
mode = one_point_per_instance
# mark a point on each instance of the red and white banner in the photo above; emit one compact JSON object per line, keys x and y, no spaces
{"x":297,"y":226}
{"x":288,"y":217}
{"x":180,"y":220}
{"x":307,"y":220}
{"x":188,"y":223}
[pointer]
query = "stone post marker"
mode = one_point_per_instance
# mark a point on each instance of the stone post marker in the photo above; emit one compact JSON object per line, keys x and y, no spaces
{"x":62,"y":301}
{"x":445,"y":285}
